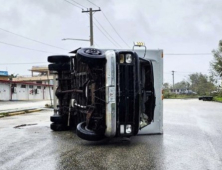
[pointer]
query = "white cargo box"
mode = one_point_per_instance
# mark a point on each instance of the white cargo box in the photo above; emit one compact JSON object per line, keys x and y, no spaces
{"x":156,"y":127}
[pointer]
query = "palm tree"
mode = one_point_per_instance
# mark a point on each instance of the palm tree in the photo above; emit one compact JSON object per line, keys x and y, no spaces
{"x":12,"y":76}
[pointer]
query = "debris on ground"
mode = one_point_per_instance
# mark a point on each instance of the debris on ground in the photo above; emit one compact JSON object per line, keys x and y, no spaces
{"x":25,"y":125}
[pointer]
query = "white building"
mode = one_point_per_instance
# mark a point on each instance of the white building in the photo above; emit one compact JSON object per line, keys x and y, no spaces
{"x":13,"y":90}
{"x":39,"y":74}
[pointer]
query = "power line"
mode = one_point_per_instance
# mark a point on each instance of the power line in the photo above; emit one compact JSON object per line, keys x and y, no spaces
{"x":25,"y":48}
{"x":99,"y":24}
{"x":72,"y":4}
{"x":106,"y":32}
{"x":93,"y":3}
{"x":96,"y":44}
{"x":110,"y":24}
{"x":115,"y":29}
{"x":189,"y":54}
{"x":186,"y":71}
{"x":79,"y":4}
{"x":31,"y":39}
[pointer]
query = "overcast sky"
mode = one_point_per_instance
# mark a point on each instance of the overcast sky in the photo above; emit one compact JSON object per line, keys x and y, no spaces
{"x":176,"y":26}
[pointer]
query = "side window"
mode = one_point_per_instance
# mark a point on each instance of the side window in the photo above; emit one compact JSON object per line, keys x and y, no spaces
{"x":31,"y":86}
{"x":39,"y":87}
{"x":23,"y":86}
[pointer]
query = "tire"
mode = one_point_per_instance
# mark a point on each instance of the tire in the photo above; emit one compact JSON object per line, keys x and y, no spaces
{"x":58,"y":59}
{"x":59,"y":67}
{"x":59,"y":127}
{"x":91,"y":56}
{"x":58,"y":119}
{"x":85,"y":134}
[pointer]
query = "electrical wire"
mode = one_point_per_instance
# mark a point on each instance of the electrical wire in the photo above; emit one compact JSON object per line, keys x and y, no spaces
{"x":107,"y":32}
{"x":93,"y":3}
{"x":79,"y":4}
{"x":72,"y":4}
{"x":104,"y":34}
{"x":96,"y":44}
{"x":181,"y":72}
{"x":32,"y":39}
{"x":110,"y":24}
{"x":115,"y":29}
{"x":109,"y":38}
{"x":25,"y":48}
{"x":188,"y":54}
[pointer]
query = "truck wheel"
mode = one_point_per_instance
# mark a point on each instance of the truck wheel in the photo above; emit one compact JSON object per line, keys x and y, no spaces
{"x":59,"y":127}
{"x":86,"y":134}
{"x":59,"y":67}
{"x":58,"y":119}
{"x":91,"y":56}
{"x":58,"y":59}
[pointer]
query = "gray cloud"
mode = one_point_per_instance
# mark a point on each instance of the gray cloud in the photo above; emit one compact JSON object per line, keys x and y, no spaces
{"x":176,"y":26}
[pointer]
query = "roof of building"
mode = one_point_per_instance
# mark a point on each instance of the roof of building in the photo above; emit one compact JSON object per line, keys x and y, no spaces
{"x":19,"y":82}
{"x":39,"y":68}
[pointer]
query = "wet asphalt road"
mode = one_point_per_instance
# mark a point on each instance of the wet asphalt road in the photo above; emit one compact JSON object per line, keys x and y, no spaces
{"x":192,"y":139}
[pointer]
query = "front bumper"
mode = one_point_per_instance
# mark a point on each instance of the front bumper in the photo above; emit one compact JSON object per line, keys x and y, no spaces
{"x":110,"y":94}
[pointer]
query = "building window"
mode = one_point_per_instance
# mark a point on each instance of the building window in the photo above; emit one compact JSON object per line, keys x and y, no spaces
{"x":39,"y":87}
{"x":31,"y":86}
{"x":23,"y":86}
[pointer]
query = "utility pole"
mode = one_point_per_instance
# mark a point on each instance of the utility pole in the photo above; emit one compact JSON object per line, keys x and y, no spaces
{"x":90,"y":10}
{"x":173,"y":79}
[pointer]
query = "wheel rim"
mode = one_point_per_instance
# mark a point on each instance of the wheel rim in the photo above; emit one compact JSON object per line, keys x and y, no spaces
{"x":92,"y":52}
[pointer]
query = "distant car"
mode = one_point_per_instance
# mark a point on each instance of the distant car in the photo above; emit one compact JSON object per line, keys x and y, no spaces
{"x":206,"y":98}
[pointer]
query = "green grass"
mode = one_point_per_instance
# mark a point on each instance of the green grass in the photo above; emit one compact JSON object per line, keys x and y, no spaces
{"x":178,"y":96}
{"x":218,"y":99}
{"x":4,"y":114}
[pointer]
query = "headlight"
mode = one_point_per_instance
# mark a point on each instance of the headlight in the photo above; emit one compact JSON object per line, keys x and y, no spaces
{"x":128,"y":129}
{"x":129,"y":58}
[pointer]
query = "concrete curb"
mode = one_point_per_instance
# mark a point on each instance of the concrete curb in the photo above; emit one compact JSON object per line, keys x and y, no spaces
{"x":14,"y":113}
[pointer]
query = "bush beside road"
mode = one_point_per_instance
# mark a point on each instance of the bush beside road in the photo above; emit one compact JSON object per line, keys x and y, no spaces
{"x":217,"y":98}
{"x":179,"y":96}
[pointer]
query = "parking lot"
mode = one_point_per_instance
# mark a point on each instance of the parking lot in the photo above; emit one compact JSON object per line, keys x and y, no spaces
{"x":192,"y":139}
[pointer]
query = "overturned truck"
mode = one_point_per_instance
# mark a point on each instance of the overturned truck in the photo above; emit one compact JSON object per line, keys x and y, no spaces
{"x":103,"y":93}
